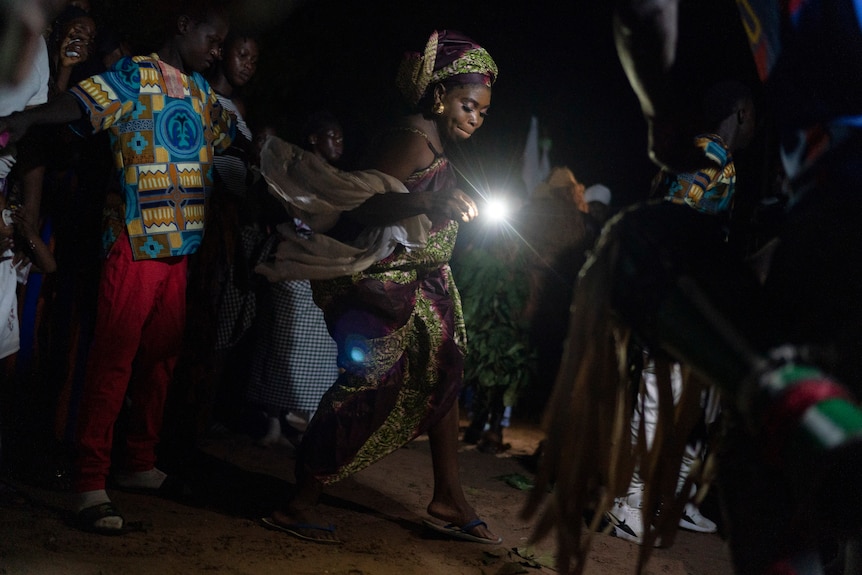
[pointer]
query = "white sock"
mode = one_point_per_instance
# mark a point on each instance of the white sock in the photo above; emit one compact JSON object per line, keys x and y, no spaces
{"x":149,"y":479}
{"x":89,"y":499}
{"x":298,"y":421}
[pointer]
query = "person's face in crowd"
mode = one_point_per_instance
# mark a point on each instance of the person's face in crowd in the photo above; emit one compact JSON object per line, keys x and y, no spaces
{"x":328,"y":143}
{"x":599,"y":210}
{"x":78,"y":40}
{"x":201,"y":41}
{"x":464,"y":110}
{"x":240,"y":61}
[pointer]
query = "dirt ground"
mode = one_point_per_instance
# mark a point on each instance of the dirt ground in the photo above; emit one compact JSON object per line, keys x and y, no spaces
{"x":378,"y":513}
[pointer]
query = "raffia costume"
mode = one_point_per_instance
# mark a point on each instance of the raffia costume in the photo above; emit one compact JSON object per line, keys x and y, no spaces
{"x":790,"y":462}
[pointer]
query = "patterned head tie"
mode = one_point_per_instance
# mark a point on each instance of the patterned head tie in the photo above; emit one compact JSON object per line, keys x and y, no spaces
{"x":449,"y":56}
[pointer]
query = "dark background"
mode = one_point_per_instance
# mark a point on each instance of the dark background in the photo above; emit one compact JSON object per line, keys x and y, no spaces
{"x":556,"y":59}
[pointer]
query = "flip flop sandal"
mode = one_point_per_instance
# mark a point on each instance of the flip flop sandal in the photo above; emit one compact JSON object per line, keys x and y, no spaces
{"x":86,"y":519}
{"x":294,"y":529}
{"x":463,"y":531}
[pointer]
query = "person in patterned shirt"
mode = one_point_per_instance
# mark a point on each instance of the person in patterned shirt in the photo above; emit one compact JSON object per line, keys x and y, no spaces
{"x":707,"y":187}
{"x":165,"y":125}
{"x":728,"y":110}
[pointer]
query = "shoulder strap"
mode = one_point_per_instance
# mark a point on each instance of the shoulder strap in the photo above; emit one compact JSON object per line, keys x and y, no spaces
{"x":421,"y":133}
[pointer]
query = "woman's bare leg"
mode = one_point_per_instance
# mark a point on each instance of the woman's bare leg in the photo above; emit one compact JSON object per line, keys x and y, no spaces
{"x":301,"y":515}
{"x":448,"y":502}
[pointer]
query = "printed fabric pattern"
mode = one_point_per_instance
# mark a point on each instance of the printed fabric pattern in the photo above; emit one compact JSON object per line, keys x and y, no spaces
{"x":399,"y":326}
{"x":708,"y":190}
{"x":164,"y":132}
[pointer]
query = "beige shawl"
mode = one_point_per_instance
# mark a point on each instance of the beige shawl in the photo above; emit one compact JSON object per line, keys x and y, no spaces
{"x":316,"y":192}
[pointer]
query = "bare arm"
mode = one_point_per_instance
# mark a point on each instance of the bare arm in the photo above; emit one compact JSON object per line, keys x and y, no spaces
{"x":61,"y":110}
{"x":34,"y":248}
{"x":31,"y":178}
{"x":384,"y":209}
{"x":400,"y":157}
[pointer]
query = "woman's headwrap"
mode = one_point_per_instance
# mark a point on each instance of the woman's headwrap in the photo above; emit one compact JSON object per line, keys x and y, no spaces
{"x":448,"y":55}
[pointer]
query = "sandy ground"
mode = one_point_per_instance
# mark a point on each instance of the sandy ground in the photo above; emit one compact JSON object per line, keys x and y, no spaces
{"x":378,"y":513}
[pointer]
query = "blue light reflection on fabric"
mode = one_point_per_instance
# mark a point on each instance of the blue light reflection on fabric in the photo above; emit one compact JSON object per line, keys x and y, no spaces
{"x":356,"y":347}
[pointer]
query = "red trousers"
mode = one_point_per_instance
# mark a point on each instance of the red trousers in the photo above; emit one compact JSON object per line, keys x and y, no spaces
{"x":138,"y":336}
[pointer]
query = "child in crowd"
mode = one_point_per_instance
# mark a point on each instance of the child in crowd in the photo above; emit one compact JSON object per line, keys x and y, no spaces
{"x":21,"y":249}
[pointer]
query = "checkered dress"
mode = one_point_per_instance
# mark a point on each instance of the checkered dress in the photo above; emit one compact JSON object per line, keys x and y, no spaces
{"x":295,"y":359}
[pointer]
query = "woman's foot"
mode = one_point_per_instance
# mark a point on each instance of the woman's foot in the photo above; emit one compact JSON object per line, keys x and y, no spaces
{"x":463,"y":517}
{"x":304,"y":523}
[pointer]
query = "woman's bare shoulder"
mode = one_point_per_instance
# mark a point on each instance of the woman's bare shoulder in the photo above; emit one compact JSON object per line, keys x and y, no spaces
{"x":403,"y":150}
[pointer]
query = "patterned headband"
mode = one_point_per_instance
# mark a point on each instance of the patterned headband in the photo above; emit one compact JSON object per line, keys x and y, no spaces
{"x":447,"y":54}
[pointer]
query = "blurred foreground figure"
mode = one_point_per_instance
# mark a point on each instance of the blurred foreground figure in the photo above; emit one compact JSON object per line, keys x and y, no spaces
{"x":663,"y":277}
{"x":22,"y":23}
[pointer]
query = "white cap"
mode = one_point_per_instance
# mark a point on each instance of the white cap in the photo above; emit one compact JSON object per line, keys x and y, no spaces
{"x":598,"y":193}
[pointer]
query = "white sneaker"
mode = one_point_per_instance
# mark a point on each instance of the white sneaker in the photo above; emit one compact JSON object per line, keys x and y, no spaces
{"x":627,"y":518}
{"x":693,"y":520}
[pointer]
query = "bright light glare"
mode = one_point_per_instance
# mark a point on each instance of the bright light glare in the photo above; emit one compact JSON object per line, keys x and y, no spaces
{"x":496,"y":209}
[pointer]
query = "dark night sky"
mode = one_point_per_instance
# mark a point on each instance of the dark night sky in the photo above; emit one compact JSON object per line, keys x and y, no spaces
{"x":556,"y":61}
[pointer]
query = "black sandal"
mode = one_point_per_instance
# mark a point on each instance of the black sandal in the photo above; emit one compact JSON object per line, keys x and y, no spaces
{"x":86,"y":519}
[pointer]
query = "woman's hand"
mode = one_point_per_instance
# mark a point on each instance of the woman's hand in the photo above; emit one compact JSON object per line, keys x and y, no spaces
{"x":454,"y":204}
{"x":25,"y":225}
{"x":25,"y":230}
{"x":36,"y":251}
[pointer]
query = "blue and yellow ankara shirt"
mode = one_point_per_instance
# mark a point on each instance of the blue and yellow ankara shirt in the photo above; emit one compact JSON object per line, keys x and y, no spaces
{"x":709,"y":190}
{"x":164,"y":128}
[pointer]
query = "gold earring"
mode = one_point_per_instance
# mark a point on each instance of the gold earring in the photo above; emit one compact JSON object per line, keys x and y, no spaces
{"x":438,"y":108}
